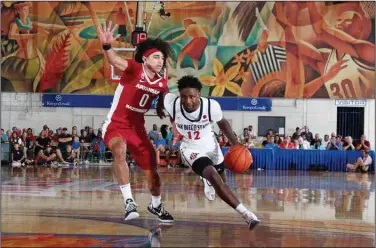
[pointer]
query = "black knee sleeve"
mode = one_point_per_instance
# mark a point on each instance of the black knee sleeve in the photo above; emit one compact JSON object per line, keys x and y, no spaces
{"x":200,"y":164}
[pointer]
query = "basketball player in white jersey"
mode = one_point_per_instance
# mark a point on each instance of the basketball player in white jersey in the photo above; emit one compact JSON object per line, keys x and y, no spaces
{"x":193,"y":117}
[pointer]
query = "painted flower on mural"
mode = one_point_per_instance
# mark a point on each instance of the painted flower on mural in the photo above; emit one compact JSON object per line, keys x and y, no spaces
{"x":222,"y":80}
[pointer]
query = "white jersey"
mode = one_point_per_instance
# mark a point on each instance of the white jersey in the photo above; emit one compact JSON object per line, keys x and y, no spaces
{"x":356,"y":81}
{"x":196,"y":128}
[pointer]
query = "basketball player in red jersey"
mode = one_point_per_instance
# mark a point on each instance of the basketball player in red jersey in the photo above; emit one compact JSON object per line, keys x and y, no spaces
{"x":142,"y":80}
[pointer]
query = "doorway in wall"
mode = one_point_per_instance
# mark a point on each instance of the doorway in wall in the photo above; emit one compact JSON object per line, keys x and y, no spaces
{"x":350,"y":122}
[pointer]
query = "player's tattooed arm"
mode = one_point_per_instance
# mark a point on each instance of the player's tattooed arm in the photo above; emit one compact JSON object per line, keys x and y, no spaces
{"x":226,"y":128}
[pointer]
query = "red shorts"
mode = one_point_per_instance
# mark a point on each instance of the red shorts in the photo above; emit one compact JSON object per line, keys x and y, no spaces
{"x":138,"y":145}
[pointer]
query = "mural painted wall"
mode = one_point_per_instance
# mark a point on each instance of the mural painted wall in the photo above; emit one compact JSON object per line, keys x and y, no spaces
{"x":249,"y":49}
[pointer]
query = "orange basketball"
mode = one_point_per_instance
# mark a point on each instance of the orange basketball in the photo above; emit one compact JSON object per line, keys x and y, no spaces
{"x":238,"y":159}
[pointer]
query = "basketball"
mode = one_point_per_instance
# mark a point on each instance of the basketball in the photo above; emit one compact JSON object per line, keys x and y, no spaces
{"x":238,"y":159}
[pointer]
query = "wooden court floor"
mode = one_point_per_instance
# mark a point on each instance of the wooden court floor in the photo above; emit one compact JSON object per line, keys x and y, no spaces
{"x":83,"y":207}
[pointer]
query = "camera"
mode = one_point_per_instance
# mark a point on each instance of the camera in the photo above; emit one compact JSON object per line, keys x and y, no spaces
{"x":162,"y":11}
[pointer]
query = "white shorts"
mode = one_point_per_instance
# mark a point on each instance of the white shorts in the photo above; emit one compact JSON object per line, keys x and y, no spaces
{"x":190,"y":154}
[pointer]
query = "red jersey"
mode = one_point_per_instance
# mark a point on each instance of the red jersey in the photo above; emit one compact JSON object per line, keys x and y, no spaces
{"x":133,"y":97}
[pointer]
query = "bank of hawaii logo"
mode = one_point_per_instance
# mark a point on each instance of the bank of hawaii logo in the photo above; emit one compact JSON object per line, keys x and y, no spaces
{"x":58,"y":98}
{"x":254,"y":102}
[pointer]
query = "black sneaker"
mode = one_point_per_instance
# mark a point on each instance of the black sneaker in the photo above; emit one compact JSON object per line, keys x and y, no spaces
{"x":161,"y":213}
{"x":130,"y":210}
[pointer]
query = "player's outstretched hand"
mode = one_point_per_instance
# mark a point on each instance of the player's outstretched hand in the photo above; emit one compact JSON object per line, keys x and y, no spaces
{"x":106,"y":34}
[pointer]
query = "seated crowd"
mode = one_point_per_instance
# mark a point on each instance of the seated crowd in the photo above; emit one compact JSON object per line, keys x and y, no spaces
{"x":70,"y":147}
{"x":53,"y":148}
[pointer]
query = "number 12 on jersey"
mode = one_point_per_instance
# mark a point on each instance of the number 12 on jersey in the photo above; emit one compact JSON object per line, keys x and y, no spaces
{"x":194,"y":135}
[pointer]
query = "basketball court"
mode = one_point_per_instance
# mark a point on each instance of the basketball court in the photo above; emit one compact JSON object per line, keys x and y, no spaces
{"x":83,"y":207}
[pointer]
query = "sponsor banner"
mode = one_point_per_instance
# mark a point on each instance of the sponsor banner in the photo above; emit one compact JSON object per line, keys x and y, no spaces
{"x":105,"y":101}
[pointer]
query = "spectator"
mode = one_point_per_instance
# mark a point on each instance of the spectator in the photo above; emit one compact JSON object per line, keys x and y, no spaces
{"x":249,"y":143}
{"x":26,"y":144}
{"x":251,"y":132}
{"x":67,"y":155}
{"x":98,"y":147}
{"x":303,"y":144}
{"x":277,"y":139}
{"x":325,"y":141}
{"x":318,"y":145}
{"x":84,"y":138}
{"x":76,"y":145}
{"x":9,"y":135}
{"x":49,"y":134}
{"x":15,"y":139}
{"x":41,"y":142}
{"x":153,"y":133}
{"x":4,"y":137}
{"x":152,"y":142}
{"x":362,"y":163}
{"x":333,"y":144}
{"x":245,"y":135}
{"x":317,"y":137}
{"x":339,"y":140}
{"x":287,"y":144}
{"x":170,"y":134}
{"x":173,"y":149}
{"x":305,"y":141}
{"x":46,"y":156}
{"x":270,"y":133}
{"x":64,"y":140}
{"x":266,"y":140}
{"x":74,"y":133}
{"x":348,"y":144}
{"x":296,"y":134}
{"x":308,"y":135}
{"x":271,"y":143}
{"x":17,"y":131}
{"x":363,"y":144}
{"x":160,"y":145}
{"x":30,"y":134}
{"x":164,"y":131}
{"x":91,"y":135}
{"x":57,"y":135}
{"x":17,"y":155}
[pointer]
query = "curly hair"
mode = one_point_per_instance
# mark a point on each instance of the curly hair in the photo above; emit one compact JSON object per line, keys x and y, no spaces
{"x":148,"y":44}
{"x":189,"y":82}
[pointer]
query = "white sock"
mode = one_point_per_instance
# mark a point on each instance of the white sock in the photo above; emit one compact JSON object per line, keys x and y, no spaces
{"x":241,"y":209}
{"x":126,"y":191}
{"x":155,"y":201}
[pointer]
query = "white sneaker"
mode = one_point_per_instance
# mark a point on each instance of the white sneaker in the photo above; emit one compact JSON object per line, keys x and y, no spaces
{"x":131,"y":210}
{"x":101,"y":162}
{"x":251,"y":219}
{"x":209,"y":190}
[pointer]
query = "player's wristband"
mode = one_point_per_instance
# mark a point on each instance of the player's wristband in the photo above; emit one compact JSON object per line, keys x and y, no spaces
{"x":106,"y":47}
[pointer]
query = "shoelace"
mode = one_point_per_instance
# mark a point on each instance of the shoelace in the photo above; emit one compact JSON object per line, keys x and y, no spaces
{"x":163,"y":211}
{"x":130,"y":207}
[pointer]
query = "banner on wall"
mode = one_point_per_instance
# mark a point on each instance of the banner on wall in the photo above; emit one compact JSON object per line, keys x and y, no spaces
{"x":105,"y":101}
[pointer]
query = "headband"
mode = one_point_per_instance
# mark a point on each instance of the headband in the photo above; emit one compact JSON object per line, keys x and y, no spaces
{"x":150,"y":51}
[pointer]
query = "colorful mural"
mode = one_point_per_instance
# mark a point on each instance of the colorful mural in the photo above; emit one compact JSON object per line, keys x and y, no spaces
{"x":246,"y":49}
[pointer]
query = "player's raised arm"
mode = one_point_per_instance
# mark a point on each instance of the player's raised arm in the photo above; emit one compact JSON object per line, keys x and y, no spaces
{"x":106,"y":36}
